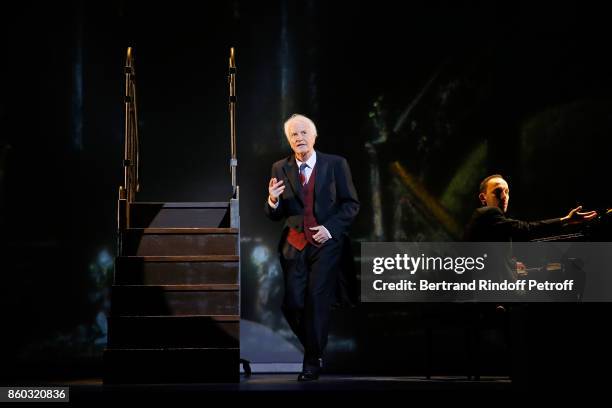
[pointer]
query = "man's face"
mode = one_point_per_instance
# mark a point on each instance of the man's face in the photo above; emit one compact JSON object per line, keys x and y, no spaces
{"x":301,"y":137}
{"x":497,"y":194}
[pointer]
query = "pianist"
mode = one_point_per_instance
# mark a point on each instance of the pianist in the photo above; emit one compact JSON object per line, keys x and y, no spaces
{"x":490,"y":224}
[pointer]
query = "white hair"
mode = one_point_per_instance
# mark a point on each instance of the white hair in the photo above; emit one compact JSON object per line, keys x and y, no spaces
{"x":297,"y":116}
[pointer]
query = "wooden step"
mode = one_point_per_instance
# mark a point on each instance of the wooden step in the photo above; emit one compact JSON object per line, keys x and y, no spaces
{"x":175,"y":300}
{"x":185,"y":258}
{"x":179,"y":241}
{"x":174,"y":331}
{"x":163,"y":215}
{"x":182,"y":231}
{"x":168,"y":270}
{"x":187,"y":365}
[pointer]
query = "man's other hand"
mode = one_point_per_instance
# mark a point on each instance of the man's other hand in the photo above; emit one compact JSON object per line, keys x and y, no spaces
{"x":521,"y":270}
{"x":576,"y":216}
{"x":322,"y":234}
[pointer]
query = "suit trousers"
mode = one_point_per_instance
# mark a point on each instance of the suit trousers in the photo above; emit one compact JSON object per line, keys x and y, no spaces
{"x":311,"y":276}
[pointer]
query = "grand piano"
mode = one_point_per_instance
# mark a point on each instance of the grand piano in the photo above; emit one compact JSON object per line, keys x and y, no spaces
{"x":570,"y":265}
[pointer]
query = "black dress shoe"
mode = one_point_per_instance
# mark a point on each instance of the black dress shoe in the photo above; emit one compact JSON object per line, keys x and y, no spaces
{"x":311,"y":370}
{"x":308,"y":376}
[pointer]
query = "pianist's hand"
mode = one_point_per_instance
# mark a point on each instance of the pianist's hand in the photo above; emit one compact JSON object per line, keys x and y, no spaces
{"x":575,"y":216}
{"x":521,"y":270}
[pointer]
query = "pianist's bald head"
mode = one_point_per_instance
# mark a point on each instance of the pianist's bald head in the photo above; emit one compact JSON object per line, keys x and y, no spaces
{"x":495,"y":192}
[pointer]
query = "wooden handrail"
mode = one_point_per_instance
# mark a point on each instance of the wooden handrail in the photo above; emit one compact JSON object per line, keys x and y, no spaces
{"x":131,"y":148}
{"x":232,"y":112}
{"x":131,"y":154}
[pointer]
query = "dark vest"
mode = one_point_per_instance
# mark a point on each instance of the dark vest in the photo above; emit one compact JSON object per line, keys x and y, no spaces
{"x":299,"y":239}
{"x":309,"y":218}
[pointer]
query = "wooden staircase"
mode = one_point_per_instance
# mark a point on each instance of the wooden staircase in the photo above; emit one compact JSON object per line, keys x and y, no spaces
{"x":175,"y":299}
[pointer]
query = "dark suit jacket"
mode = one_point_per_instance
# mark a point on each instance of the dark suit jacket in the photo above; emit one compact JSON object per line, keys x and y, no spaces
{"x":335,"y":207}
{"x":335,"y":199}
{"x":489,"y":224}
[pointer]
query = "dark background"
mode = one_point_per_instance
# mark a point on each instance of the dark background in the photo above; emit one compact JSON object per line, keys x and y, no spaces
{"x":513,"y":87}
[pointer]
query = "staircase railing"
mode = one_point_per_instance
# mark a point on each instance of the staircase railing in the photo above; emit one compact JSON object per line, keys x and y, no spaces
{"x":234,"y":202}
{"x":131,"y":155}
{"x":232,"y":111}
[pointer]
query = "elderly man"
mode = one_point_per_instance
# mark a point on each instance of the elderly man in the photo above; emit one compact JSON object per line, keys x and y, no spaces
{"x":313,"y":193}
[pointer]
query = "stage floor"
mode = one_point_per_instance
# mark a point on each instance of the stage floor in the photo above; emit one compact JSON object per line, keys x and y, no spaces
{"x":277,"y":384}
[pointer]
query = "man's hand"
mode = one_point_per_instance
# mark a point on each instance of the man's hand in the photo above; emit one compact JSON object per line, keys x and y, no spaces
{"x":575,"y":216}
{"x":521,"y":271}
{"x":275,"y":189}
{"x":322,"y":234}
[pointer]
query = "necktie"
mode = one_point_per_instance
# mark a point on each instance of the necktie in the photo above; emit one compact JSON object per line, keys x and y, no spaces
{"x":303,"y":173}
